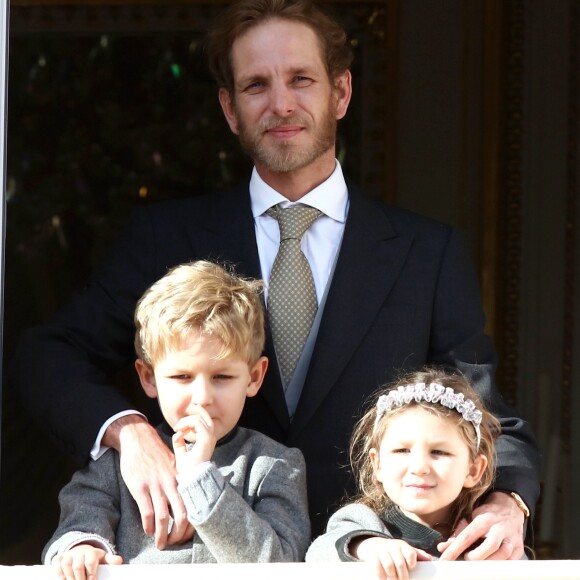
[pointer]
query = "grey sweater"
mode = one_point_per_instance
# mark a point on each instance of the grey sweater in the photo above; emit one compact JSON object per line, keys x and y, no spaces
{"x":248,"y":505}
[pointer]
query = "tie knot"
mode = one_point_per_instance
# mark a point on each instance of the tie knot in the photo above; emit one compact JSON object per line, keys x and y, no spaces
{"x":293,"y":221}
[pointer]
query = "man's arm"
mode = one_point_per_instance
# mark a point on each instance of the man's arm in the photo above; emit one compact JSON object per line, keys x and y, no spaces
{"x":459,"y":341}
{"x":62,"y":370}
{"x":62,"y":373}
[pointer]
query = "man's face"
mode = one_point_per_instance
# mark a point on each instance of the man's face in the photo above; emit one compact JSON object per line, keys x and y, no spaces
{"x":284,"y":107}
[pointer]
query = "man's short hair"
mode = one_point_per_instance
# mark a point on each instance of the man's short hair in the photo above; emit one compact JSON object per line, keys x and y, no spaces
{"x":206,"y":298}
{"x":245,"y":14}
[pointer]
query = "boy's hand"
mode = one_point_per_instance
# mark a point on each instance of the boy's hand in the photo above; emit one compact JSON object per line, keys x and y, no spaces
{"x":200,"y":429}
{"x":81,"y":562}
{"x":148,"y":469}
{"x":392,"y":558}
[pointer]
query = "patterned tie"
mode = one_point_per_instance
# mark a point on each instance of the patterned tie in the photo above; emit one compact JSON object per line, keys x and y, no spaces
{"x":292,"y":302}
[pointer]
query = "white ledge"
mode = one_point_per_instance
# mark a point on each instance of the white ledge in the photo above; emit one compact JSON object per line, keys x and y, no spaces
{"x":512,"y":570}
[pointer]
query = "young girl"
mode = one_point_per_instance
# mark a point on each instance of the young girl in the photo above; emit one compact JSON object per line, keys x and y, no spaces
{"x":423,"y":454}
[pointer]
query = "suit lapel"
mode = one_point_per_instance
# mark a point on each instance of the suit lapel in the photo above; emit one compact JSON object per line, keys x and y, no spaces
{"x":370,"y":259}
{"x":228,"y":232}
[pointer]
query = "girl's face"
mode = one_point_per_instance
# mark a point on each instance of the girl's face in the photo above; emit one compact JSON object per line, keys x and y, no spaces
{"x":423,"y":464}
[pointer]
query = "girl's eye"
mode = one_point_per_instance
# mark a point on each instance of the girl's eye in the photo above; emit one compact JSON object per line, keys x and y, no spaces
{"x":440,"y":452}
{"x":401,"y":450}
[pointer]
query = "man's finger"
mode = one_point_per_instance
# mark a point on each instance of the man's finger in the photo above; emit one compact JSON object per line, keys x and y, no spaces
{"x":181,"y":529}
{"x":492,"y":550}
{"x":456,"y":546}
{"x":143,"y":500}
{"x":162,"y":517}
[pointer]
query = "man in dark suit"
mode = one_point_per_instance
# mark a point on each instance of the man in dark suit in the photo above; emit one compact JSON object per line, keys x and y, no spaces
{"x":394,"y":290}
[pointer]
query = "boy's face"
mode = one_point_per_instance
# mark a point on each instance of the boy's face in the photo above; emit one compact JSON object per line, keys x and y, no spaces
{"x":190,"y":378}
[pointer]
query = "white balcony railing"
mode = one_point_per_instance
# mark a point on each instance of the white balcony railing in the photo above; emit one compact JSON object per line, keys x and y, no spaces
{"x":516,"y":570}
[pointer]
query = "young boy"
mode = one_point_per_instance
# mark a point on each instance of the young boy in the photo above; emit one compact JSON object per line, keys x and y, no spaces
{"x":199,"y":339}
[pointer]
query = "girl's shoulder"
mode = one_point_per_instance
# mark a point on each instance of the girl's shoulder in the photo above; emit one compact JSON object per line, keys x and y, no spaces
{"x":356,"y":513}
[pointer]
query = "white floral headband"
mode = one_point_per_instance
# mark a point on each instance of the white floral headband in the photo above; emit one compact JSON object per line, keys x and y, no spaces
{"x":434,"y":393}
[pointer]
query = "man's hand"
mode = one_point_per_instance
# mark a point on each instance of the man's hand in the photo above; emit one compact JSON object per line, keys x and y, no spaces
{"x":148,"y":469}
{"x":499,"y":522}
{"x":392,"y":559}
{"x":81,"y":562}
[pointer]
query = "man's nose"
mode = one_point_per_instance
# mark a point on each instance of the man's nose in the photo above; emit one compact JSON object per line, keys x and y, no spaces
{"x":283,"y":100}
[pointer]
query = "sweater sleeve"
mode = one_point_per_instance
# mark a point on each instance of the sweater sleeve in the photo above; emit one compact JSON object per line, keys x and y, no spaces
{"x":351,"y":521}
{"x":89,"y":509}
{"x":271,"y":525}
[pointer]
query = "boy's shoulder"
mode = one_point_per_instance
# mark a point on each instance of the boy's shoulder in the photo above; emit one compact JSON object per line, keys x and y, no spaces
{"x":260,"y":444}
{"x":257,"y":452}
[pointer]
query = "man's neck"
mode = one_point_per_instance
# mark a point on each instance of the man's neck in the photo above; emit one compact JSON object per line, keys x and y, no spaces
{"x":294,"y":185}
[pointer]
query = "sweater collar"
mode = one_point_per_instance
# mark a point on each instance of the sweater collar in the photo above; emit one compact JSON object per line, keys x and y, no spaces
{"x":417,"y":535}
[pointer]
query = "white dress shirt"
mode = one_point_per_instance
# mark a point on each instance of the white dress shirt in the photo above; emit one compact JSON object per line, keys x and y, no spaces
{"x":321,"y":241}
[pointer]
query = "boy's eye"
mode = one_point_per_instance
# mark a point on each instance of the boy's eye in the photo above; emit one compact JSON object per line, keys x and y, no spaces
{"x":222,"y":377}
{"x":180,"y":377}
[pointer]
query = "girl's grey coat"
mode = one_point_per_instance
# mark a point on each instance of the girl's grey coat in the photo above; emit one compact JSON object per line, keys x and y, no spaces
{"x":248,"y":505}
{"x":356,"y":520}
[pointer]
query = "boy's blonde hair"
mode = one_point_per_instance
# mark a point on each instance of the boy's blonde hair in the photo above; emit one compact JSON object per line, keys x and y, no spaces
{"x":369,"y":432}
{"x":205,"y":298}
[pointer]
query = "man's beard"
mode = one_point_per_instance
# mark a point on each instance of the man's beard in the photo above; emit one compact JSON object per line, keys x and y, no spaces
{"x":283,"y":156}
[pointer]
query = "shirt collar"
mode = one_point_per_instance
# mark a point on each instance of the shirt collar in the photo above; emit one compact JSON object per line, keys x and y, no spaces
{"x":330,"y":197}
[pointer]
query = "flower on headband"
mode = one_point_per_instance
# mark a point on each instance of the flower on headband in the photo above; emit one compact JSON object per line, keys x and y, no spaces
{"x":434,"y":393}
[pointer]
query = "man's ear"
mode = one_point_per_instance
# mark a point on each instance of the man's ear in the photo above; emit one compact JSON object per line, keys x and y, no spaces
{"x":257,"y":373}
{"x":475,"y":471}
{"x":228,"y":108}
{"x":147,"y":378}
{"x":343,"y":93}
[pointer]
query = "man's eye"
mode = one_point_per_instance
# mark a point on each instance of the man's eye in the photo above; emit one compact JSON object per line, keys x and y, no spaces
{"x":254,"y":87}
{"x":302,"y":81}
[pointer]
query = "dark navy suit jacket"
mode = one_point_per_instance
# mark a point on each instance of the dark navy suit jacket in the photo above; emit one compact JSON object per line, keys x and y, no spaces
{"x":404,"y":293}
